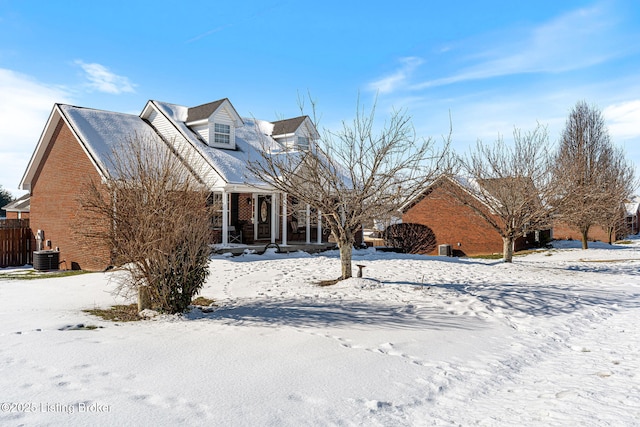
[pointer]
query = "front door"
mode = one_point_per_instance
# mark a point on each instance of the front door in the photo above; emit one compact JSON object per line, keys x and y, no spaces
{"x":264,"y":217}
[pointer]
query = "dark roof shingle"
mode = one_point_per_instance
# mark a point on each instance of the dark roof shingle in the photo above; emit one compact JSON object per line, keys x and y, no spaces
{"x":283,"y":127}
{"x":203,"y":111}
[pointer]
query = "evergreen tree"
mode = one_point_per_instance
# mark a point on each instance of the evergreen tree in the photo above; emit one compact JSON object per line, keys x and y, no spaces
{"x":5,"y":198}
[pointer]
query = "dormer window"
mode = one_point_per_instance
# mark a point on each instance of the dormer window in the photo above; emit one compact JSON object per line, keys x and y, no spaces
{"x":295,"y":134}
{"x":222,"y":133}
{"x":215,"y":123}
{"x":303,"y":143}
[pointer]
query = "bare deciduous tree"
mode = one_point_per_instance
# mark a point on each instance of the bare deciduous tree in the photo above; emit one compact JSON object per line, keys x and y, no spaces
{"x":153,"y":215}
{"x":355,"y":174}
{"x":508,"y":185}
{"x":619,"y":186}
{"x":592,"y":176}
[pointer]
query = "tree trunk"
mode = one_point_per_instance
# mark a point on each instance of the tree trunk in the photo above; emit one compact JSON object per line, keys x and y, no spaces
{"x":345,"y":258}
{"x":507,"y":249}
{"x":585,"y":237}
{"x":144,"y":298}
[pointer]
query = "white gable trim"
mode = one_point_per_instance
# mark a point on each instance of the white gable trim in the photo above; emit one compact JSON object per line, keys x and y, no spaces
{"x":306,"y":129}
{"x":182,"y":144}
{"x":229,"y":110}
{"x":44,"y":142}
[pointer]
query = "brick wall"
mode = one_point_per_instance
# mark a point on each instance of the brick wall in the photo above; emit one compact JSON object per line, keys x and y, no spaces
{"x":563,"y":231}
{"x":17,"y":215}
{"x":245,"y":210}
{"x":454,"y":223}
{"x":63,"y":170}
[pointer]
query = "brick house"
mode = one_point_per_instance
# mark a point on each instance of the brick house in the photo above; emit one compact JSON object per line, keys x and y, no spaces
{"x":212,"y":140}
{"x":629,"y":214}
{"x":18,"y":209}
{"x":564,"y":231}
{"x":632,"y":213}
{"x":458,"y":225}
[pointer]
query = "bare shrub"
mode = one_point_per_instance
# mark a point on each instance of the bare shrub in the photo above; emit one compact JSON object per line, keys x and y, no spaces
{"x":153,"y":215}
{"x":410,"y":238}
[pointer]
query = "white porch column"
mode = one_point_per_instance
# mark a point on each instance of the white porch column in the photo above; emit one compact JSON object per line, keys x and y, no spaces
{"x":225,"y":218}
{"x":255,"y":216}
{"x":274,"y":217}
{"x":308,"y":225}
{"x":284,"y":219}
{"x":319,"y":227}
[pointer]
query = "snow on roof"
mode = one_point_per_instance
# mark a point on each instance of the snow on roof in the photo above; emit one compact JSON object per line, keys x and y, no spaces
{"x":102,"y":131}
{"x":251,"y":140}
{"x":21,"y":204}
{"x":483,"y":191}
{"x":632,"y":208}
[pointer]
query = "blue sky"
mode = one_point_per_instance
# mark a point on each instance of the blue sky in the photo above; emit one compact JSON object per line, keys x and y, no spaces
{"x":491,"y":65}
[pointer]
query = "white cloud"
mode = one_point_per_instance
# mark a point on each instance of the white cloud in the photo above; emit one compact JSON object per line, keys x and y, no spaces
{"x":575,"y":40}
{"x":103,"y":80}
{"x":623,"y":119}
{"x":25,"y":105}
{"x":396,"y":80}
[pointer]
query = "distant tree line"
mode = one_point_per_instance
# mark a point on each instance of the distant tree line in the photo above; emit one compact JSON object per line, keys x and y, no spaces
{"x":5,"y":198}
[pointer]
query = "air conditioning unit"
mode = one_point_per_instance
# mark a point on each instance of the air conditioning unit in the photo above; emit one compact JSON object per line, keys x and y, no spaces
{"x":444,"y":250}
{"x":46,"y":260}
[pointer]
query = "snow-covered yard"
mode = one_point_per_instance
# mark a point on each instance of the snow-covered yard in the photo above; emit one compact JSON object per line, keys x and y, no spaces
{"x":551,"y":340}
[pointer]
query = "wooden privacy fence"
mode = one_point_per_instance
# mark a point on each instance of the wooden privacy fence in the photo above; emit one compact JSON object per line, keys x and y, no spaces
{"x":15,"y":243}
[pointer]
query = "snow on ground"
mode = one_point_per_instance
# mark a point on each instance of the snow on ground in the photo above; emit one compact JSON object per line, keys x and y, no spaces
{"x":550,"y":340}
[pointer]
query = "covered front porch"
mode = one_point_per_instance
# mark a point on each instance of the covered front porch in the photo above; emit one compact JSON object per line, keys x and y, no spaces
{"x":246,"y":216}
{"x":259,"y":248}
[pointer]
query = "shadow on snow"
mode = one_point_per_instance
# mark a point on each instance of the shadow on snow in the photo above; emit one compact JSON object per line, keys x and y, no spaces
{"x":544,"y":300}
{"x":300,"y":313}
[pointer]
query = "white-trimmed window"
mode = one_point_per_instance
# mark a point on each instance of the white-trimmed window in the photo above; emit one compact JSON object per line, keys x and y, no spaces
{"x":303,"y":143}
{"x":215,"y":201}
{"x":221,"y":133}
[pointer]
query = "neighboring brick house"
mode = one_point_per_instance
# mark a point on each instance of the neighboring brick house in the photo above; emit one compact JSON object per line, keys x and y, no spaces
{"x":213,"y":141}
{"x":629,"y":213}
{"x":632,"y":213}
{"x":18,"y":209}
{"x":455,"y":224}
{"x":564,"y":231}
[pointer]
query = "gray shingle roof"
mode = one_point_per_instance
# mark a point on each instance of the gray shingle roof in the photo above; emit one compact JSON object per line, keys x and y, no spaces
{"x":21,"y":204}
{"x":286,"y":126}
{"x":203,"y":111}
